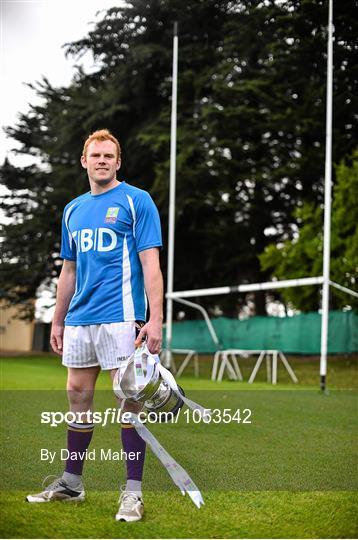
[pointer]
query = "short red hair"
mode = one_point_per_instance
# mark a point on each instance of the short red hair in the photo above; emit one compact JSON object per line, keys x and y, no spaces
{"x":101,"y":135}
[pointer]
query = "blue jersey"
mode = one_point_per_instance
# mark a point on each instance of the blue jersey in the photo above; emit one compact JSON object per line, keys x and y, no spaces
{"x":104,"y":234}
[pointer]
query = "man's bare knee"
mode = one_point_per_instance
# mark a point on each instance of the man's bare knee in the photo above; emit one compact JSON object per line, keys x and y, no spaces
{"x":80,"y":388}
{"x":80,"y":400}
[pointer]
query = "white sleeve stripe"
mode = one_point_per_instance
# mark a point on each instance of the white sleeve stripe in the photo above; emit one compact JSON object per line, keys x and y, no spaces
{"x":131,"y":204}
{"x":67,"y":217}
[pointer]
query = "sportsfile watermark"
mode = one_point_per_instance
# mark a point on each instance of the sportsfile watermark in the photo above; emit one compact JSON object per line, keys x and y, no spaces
{"x":113,"y":415}
{"x":276,"y":451}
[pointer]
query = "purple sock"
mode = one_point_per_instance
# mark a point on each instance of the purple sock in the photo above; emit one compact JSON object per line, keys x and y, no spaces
{"x":132,"y":442}
{"x":78,"y":439}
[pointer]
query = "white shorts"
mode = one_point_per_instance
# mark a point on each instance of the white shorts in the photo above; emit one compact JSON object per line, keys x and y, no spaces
{"x":104,"y":345}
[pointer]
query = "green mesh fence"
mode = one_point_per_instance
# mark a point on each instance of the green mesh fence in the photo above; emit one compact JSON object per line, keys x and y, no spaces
{"x":300,"y":334}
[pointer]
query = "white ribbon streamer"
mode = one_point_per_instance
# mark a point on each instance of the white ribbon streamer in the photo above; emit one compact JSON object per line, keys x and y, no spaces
{"x":169,"y":379}
{"x":179,"y":475}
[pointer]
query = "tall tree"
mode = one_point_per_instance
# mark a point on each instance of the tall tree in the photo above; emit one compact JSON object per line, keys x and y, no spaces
{"x":251,"y":113}
{"x":302,"y":256}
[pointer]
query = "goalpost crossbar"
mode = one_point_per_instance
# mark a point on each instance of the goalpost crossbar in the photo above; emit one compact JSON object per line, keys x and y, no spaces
{"x":249,"y":287}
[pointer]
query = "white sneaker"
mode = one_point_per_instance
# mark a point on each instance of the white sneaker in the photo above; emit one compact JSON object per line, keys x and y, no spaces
{"x":131,"y":507}
{"x":58,"y":490}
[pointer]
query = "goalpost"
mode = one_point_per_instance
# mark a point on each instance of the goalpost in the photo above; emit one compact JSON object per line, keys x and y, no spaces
{"x":323,"y":280}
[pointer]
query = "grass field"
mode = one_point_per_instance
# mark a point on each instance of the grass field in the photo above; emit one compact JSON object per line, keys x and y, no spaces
{"x":291,"y":473}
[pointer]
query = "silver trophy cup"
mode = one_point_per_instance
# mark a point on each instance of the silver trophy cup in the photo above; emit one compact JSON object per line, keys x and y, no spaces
{"x":143,"y":383}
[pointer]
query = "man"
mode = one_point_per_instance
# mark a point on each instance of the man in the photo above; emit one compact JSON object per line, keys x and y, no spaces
{"x":110,"y":245}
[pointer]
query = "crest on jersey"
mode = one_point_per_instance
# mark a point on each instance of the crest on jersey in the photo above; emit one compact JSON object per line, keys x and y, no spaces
{"x":111,"y":216}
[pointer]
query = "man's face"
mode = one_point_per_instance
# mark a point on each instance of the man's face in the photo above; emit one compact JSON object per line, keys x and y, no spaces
{"x":101,"y":162}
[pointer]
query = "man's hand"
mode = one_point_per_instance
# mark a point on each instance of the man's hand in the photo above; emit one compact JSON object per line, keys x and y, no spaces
{"x":56,"y":338}
{"x":152,"y":331}
{"x":65,"y":290}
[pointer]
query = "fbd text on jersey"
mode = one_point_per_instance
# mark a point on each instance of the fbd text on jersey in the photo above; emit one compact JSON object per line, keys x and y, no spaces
{"x":100,"y":239}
